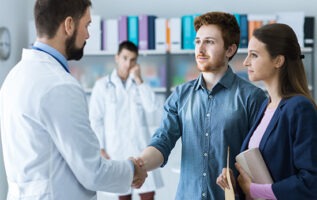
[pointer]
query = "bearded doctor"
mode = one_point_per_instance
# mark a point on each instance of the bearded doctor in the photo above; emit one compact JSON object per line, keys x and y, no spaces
{"x":50,"y":150}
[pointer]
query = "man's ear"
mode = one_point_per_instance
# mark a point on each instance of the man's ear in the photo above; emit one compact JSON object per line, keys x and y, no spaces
{"x":231,"y":50}
{"x":69,"y":25}
{"x":279,"y":61}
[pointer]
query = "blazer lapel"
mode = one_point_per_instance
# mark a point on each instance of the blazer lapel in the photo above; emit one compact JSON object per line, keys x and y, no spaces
{"x":271,"y":125}
{"x":245,"y":143}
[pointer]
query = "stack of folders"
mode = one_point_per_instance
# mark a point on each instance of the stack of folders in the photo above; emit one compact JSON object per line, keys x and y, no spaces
{"x":252,"y":162}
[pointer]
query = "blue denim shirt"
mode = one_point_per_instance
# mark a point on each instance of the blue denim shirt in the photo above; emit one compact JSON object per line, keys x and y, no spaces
{"x":207,"y":123}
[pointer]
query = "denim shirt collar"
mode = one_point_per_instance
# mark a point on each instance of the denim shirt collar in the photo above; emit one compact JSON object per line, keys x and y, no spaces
{"x":226,"y":81}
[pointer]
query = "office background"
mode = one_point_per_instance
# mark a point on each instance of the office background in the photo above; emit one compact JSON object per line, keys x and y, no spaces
{"x":15,"y":14}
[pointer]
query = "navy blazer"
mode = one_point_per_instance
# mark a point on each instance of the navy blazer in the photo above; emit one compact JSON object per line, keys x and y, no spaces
{"x":289,"y":148}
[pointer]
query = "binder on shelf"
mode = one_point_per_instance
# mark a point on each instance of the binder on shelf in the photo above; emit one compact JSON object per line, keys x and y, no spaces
{"x":143,"y":32}
{"x":160,"y":33}
{"x":168,"y":36}
{"x":237,"y":16}
{"x":193,"y":30}
{"x":252,"y":162}
{"x":146,"y":31}
{"x":244,"y":39}
{"x":133,"y":29}
{"x":151,"y":31}
{"x":123,"y":28}
{"x":255,"y":21}
{"x":309,"y":27}
{"x":175,"y":33}
{"x":188,"y":32}
{"x":110,"y":35}
{"x":94,"y":43}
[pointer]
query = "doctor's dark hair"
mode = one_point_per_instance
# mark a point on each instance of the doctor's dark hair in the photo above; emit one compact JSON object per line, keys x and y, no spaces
{"x":49,"y":14}
{"x":129,"y":46}
{"x":280,"y":39}
{"x":226,"y":22}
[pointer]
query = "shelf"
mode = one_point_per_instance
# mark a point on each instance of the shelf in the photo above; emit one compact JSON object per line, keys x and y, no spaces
{"x":141,"y":52}
{"x":304,"y":50}
{"x":240,"y":50}
{"x":159,"y":89}
{"x":183,"y":51}
{"x":155,"y":89}
{"x":182,"y":62}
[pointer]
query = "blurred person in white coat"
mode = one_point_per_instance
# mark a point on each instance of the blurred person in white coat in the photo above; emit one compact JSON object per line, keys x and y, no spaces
{"x":118,"y":105}
{"x":50,"y":151}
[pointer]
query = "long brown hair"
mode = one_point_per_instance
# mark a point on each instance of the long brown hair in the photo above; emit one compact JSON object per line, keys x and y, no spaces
{"x":280,"y":39}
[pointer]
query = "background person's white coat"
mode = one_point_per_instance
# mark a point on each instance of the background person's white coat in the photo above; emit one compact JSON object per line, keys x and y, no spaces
{"x":118,"y":117}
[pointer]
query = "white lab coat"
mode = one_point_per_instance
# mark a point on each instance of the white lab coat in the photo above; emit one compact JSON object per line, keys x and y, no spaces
{"x":50,"y":151}
{"x":118,"y":117}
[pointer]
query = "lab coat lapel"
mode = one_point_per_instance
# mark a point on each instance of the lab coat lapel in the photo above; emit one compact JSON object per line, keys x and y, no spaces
{"x":117,"y":81}
{"x":130,"y":83}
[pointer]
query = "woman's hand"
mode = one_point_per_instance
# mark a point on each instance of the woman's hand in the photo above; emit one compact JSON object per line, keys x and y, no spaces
{"x":244,"y":180}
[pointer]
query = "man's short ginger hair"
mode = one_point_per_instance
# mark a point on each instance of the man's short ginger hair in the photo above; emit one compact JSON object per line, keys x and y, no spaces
{"x":226,"y":22}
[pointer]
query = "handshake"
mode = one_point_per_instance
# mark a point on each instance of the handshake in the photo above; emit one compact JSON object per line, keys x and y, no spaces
{"x":149,"y":159}
{"x":140,"y":172}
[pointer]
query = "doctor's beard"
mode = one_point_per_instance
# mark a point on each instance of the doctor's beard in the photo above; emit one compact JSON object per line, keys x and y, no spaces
{"x":72,"y":52}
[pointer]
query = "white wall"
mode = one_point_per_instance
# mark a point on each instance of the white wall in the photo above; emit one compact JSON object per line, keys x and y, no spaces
{"x":179,"y":7}
{"x":14,"y":16}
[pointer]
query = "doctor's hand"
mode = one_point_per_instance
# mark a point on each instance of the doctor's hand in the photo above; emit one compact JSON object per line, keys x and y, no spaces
{"x":140,"y":174}
{"x":244,"y":180}
{"x":223,"y":182}
{"x":104,"y":154}
{"x":135,"y":71}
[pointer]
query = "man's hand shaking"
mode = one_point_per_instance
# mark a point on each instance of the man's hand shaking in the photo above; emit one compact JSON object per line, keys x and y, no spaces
{"x":140,"y":174}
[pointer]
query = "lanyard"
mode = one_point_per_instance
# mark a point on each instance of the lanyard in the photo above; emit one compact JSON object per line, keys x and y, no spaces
{"x":65,"y":67}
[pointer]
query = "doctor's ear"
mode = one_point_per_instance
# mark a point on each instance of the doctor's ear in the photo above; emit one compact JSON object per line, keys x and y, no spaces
{"x":69,"y":25}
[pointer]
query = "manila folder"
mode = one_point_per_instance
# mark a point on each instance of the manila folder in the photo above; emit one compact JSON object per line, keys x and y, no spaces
{"x":252,"y":162}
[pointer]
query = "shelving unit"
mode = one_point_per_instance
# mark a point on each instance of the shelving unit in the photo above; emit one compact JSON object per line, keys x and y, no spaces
{"x":164,"y":70}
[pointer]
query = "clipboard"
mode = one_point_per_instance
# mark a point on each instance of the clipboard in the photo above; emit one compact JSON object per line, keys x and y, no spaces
{"x":229,"y":193}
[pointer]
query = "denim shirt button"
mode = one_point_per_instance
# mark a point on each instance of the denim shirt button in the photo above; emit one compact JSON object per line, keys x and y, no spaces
{"x":204,"y":194}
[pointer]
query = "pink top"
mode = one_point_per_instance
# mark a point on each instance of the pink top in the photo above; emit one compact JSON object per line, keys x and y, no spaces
{"x":259,"y":131}
{"x":261,"y":190}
